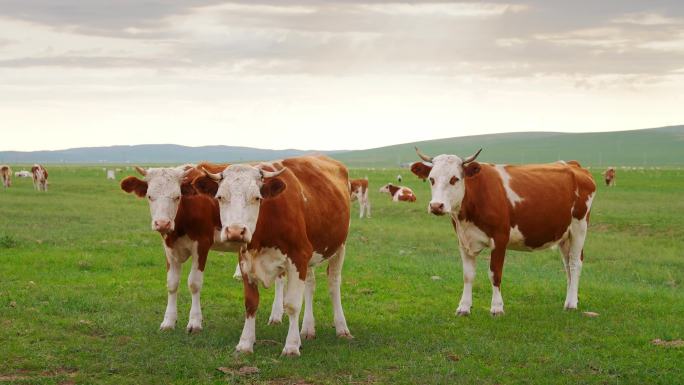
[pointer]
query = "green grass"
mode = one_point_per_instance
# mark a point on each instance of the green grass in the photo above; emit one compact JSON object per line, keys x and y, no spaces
{"x":649,"y":147}
{"x":82,"y":293}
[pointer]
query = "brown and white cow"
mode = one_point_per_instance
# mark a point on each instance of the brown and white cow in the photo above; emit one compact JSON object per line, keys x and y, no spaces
{"x":290,"y":216}
{"x":6,"y":174}
{"x":189,"y":224}
{"x":398,"y":193}
{"x":40,"y":177}
{"x":359,"y":191}
{"x":609,"y":176}
{"x":525,"y":207}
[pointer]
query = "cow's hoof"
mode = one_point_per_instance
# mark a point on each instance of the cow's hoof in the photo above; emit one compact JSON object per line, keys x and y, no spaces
{"x":291,"y":351}
{"x":308,"y":334}
{"x":345,"y":334}
{"x":167,"y":324}
{"x":570,"y":307}
{"x":194,"y":326}
{"x":275,"y":319}
{"x":244,"y":347}
{"x":497,"y":311}
{"x":463,"y":311}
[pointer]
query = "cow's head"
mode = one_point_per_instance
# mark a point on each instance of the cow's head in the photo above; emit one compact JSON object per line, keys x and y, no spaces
{"x":387,"y":188}
{"x":446,"y":174}
{"x":241,"y":189}
{"x":162,"y":188}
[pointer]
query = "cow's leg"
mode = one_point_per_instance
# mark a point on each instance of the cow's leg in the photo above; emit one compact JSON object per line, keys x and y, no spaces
{"x":173,"y":269}
{"x":248,"y":336}
{"x":294,"y":291}
{"x":308,"y":324}
{"x":277,"y":308}
{"x":237,"y":274}
{"x":335,"y":264}
{"x":578,"y":233}
{"x":361,"y":208}
{"x":564,"y":248}
{"x":195,"y":282}
{"x":495,"y":272}
{"x":469,"y":266}
{"x":368,"y":205}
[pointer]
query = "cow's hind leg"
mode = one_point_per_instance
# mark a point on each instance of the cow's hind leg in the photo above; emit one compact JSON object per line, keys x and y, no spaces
{"x":335,"y":264}
{"x":469,"y":265}
{"x":564,"y":248}
{"x":578,"y":233}
{"x":308,"y":324}
{"x":173,"y":269}
{"x":277,"y":308}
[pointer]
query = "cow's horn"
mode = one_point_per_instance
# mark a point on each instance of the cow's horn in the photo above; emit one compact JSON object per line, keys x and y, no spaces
{"x":216,"y":177}
{"x":423,"y":156}
{"x":141,"y":170}
{"x":271,"y":174}
{"x":472,"y":157}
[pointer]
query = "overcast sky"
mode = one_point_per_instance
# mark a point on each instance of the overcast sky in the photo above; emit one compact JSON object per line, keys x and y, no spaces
{"x":331,"y":74}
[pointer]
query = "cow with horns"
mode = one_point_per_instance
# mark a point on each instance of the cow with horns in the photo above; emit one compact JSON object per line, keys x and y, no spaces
{"x":518,"y":207}
{"x":289,"y":216}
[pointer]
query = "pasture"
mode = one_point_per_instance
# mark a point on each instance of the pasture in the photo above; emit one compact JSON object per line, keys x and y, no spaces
{"x":82,"y":294}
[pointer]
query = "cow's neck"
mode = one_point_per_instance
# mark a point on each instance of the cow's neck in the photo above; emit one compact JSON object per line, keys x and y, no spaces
{"x":393,"y":189}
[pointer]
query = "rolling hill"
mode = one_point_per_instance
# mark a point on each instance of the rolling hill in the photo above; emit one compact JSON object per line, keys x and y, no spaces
{"x":649,"y":147}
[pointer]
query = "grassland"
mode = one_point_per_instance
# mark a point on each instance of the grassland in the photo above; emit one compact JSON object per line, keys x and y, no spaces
{"x":82,"y":293}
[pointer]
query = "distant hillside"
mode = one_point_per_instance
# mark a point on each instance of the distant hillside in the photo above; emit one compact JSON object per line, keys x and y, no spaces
{"x":650,"y":147}
{"x":147,"y":153}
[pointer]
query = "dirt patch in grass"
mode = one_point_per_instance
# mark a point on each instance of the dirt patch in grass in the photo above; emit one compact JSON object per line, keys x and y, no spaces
{"x":672,"y":343}
{"x":23,"y":374}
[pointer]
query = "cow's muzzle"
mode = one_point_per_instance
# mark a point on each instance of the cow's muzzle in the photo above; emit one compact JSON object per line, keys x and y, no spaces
{"x":163,"y":226}
{"x":236,"y":233}
{"x":436,"y":208}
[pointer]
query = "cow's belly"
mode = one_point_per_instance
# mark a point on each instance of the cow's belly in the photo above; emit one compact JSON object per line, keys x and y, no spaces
{"x":517,"y":241}
{"x":471,"y":238}
{"x":263,"y":266}
{"x":181,"y":249}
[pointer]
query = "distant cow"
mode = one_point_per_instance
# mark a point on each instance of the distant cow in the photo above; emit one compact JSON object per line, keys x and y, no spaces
{"x":399,"y":178}
{"x":289,"y":216}
{"x":526,"y":207}
{"x":189,"y":224}
{"x":23,"y":174}
{"x":398,"y":193}
{"x":40,"y":177}
{"x":359,"y":191}
{"x":6,"y":174}
{"x":609,"y":176}
{"x":111,"y":174}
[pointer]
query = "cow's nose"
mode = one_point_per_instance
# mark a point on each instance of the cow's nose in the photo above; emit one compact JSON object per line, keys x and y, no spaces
{"x":235,"y":233}
{"x":162,"y":225}
{"x":437,"y":208}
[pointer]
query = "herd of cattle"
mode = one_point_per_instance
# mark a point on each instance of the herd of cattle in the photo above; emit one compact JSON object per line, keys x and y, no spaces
{"x":38,"y":173}
{"x":286,"y":217}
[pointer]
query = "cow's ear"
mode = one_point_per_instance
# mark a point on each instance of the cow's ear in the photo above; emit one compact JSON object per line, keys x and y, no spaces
{"x":205,"y":185}
{"x":187,"y":188}
{"x":471,"y":169}
{"x":421,"y":169}
{"x":272,"y":187}
{"x":134,"y":185}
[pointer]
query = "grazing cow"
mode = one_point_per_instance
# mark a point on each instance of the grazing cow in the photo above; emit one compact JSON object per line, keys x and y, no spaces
{"x":525,"y":207}
{"x":290,"y":216}
{"x":359,"y":191}
{"x":40,"y":177}
{"x":189,"y":225}
{"x":398,"y":193}
{"x":6,"y":173}
{"x":609,"y":176}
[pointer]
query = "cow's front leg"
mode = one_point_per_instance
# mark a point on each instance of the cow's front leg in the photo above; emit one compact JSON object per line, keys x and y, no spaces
{"x":368,"y":207}
{"x":173,"y":269}
{"x":277,"y":308}
{"x":469,"y":266}
{"x":495,"y":272}
{"x":248,"y":336}
{"x":195,"y":282}
{"x":294,"y":292}
{"x":308,"y":324}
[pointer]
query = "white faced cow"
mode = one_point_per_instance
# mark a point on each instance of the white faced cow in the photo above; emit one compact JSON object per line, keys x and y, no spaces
{"x":359,"y":191}
{"x":526,"y":207}
{"x":290,"y":216}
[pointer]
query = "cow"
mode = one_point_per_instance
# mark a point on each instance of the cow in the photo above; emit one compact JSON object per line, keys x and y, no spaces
{"x":359,"y":191}
{"x":40,"y":177}
{"x":609,"y":176}
{"x":290,"y":216}
{"x":399,"y":178}
{"x":188,"y":223}
{"x":398,"y":193}
{"x":23,"y":174}
{"x":517,"y":207}
{"x":6,"y":173}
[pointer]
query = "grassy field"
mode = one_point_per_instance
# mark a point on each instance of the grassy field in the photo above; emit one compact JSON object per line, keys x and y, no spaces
{"x":82,"y":293}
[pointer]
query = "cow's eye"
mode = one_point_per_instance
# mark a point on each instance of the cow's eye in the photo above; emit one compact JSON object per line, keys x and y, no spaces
{"x":149,"y":197}
{"x":219,"y":198}
{"x":432,"y":181}
{"x":176,"y":198}
{"x":453,"y":180}
{"x":257,"y":199}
